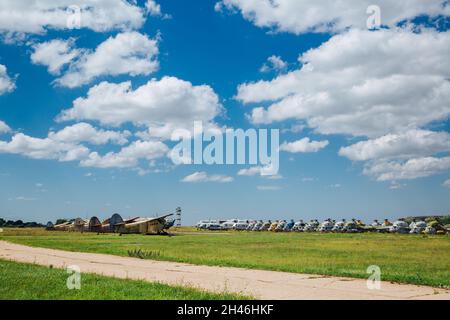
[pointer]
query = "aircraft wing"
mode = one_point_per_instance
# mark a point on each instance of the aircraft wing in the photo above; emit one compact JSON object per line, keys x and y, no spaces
{"x":163,"y":217}
{"x":136,"y":223}
{"x":128,"y":221}
{"x":63,"y":224}
{"x":145,"y":220}
{"x":131,"y":220}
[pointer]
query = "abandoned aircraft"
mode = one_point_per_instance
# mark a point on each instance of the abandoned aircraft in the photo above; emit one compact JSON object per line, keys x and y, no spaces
{"x":115,"y":224}
{"x":146,"y":225}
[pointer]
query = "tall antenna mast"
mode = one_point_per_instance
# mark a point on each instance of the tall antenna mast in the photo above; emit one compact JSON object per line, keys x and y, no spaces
{"x":178,"y":216}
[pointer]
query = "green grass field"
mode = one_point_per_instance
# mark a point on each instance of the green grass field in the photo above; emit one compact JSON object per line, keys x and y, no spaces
{"x":417,"y":259}
{"x":25,"y":281}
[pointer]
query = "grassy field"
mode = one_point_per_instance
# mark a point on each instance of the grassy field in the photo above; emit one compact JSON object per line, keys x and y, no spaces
{"x":417,"y":259}
{"x":26,"y":281}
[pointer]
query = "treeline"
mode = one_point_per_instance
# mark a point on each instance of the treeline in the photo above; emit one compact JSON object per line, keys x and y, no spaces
{"x":19,"y":224}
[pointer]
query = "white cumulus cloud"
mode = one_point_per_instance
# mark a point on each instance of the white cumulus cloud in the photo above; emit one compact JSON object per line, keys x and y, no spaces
{"x":252,"y":171}
{"x":274,"y":63}
{"x":129,"y":156}
{"x":202,"y":176}
{"x":304,"y":145}
{"x":408,"y":144}
{"x":362,"y":83}
{"x":62,"y":145}
{"x":130,"y":53}
{"x":407,"y":170}
{"x":36,"y":17}
{"x":302,"y":16}
{"x":46,"y":148}
{"x":54,"y":54}
{"x":154,"y":9}
{"x":406,"y":155}
{"x":4,"y":128}
{"x":265,"y":172}
{"x":6,"y":83}
{"x":84,"y":132}
{"x":386,"y":85}
{"x":165,"y":105}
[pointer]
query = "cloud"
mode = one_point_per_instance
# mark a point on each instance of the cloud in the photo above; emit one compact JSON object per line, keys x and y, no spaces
{"x":4,"y":128}
{"x":63,"y":145}
{"x":6,"y":83}
{"x":252,"y":171}
{"x":197,"y":177}
{"x":408,"y":144}
{"x":304,"y":145}
{"x":268,"y":188}
{"x":163,"y":105}
{"x":25,"y":17}
{"x":295,"y":128}
{"x":402,"y":156}
{"x":130,"y":53}
{"x":396,"y":186}
{"x":55,"y":54}
{"x":37,"y":148}
{"x":22,"y":198}
{"x":302,"y":16}
{"x":84,"y":132}
{"x":446,"y":184}
{"x":361,"y":83}
{"x":407,"y":170}
{"x":265,"y":172}
{"x":274,"y":63}
{"x":129,"y":156}
{"x":154,"y":9}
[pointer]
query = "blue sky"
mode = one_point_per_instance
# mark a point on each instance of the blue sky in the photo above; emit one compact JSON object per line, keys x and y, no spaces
{"x":383,"y":113}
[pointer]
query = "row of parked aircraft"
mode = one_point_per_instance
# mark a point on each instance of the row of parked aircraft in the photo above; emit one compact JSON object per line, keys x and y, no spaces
{"x":116,"y":224}
{"x":329,"y":225}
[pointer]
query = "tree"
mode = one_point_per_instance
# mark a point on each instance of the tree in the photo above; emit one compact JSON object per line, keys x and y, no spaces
{"x":18,"y":223}
{"x":32,"y":225}
{"x":61,"y":221}
{"x":9,"y":223}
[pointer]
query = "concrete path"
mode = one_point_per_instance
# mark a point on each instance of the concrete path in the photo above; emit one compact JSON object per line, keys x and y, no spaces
{"x":268,"y":285}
